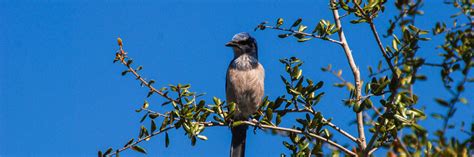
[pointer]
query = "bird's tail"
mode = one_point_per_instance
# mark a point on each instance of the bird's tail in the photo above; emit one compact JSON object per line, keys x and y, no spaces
{"x":237,"y":147}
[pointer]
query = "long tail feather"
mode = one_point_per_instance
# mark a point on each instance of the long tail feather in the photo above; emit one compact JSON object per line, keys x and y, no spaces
{"x":239,"y":134}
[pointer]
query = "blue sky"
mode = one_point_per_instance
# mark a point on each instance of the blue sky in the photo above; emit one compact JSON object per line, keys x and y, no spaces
{"x":60,"y":94}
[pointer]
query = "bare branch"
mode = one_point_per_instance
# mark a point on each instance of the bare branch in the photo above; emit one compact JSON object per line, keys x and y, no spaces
{"x":355,"y":72}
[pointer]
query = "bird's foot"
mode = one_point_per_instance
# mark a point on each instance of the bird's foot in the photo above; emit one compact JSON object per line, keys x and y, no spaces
{"x":257,"y":125}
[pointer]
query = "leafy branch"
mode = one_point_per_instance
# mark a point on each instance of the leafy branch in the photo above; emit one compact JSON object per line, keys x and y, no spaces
{"x":193,"y":116}
{"x":322,"y":30}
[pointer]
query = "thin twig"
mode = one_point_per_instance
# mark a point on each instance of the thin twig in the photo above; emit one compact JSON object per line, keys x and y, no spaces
{"x":304,"y":33}
{"x":140,"y":140}
{"x":379,"y":43}
{"x":372,"y":150}
{"x":401,"y":63}
{"x":376,"y":110}
{"x":143,"y":81}
{"x":373,"y":139}
{"x":324,"y":120}
{"x":355,"y":72}
{"x":453,"y":102}
{"x":255,"y":123}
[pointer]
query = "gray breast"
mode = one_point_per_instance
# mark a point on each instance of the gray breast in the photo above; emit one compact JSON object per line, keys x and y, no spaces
{"x":245,"y":85}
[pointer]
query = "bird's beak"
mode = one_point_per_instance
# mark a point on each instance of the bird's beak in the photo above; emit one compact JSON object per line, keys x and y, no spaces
{"x":231,"y":44}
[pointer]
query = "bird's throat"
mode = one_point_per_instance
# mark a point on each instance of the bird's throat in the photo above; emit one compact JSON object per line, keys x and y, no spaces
{"x":245,"y":62}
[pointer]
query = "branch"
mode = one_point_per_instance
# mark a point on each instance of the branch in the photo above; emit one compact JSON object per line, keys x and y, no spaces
{"x":355,"y":72}
{"x":379,"y":43}
{"x":324,"y":120}
{"x":377,"y":38}
{"x":255,"y":123}
{"x":402,"y":63}
{"x":121,"y":56}
{"x":140,"y":140}
{"x":453,"y":101}
{"x":372,"y":140}
{"x":304,"y":33}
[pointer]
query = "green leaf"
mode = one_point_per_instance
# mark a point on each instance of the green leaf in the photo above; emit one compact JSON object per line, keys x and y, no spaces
{"x":129,"y":142}
{"x":119,"y":41}
{"x":304,"y":39}
{"x":317,"y":98}
{"x":145,"y":105}
{"x":269,"y":114}
{"x":292,"y":91}
{"x":326,"y":132}
{"x":298,"y":74}
{"x":151,"y":82}
{"x":193,"y":140}
{"x":463,"y":100}
{"x":400,"y":118}
{"x":297,"y":22}
{"x":108,"y":151}
{"x":202,"y":137}
{"x":153,"y":115}
{"x":367,"y":103}
{"x":396,"y":38}
{"x":129,"y":62}
{"x":284,"y":35}
{"x":413,"y":28}
{"x":419,"y":127}
{"x":139,"y":149}
{"x":395,"y":45}
{"x":167,"y":140}
{"x":319,"y":85}
{"x":339,"y":85}
{"x":302,"y":28}
{"x":279,"y":22}
{"x":125,"y":72}
{"x":143,"y":118}
{"x":237,"y":123}
{"x":358,"y":21}
{"x":442,"y":102}
{"x":357,"y":108}
{"x":278,"y":119}
{"x":149,"y":94}
{"x":153,"y":126}
{"x":217,"y":101}
{"x":437,"y":116}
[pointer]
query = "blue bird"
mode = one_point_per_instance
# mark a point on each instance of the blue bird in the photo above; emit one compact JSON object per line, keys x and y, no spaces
{"x":244,"y":86}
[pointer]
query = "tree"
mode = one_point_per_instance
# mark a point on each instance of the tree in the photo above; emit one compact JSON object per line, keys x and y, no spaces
{"x":391,"y":87}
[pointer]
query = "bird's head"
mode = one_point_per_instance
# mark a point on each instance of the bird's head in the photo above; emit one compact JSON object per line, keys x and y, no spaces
{"x":243,"y":43}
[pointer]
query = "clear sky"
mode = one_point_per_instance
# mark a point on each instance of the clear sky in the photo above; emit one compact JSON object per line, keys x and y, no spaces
{"x":60,"y":94}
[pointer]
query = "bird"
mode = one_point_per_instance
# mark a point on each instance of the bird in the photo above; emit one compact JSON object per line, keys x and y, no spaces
{"x":244,"y":86}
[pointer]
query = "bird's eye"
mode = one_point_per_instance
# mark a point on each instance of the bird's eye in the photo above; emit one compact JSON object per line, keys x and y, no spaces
{"x":244,"y":42}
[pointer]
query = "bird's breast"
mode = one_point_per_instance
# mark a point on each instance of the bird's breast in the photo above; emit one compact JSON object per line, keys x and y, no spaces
{"x":245,"y":87}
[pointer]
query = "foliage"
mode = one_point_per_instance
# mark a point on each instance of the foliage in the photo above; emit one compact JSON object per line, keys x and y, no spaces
{"x":388,"y":95}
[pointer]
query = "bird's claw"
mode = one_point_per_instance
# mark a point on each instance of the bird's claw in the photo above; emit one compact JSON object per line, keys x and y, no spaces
{"x":257,"y":125}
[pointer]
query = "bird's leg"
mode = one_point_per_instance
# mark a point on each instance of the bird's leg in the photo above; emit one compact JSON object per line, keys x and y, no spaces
{"x":257,"y":125}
